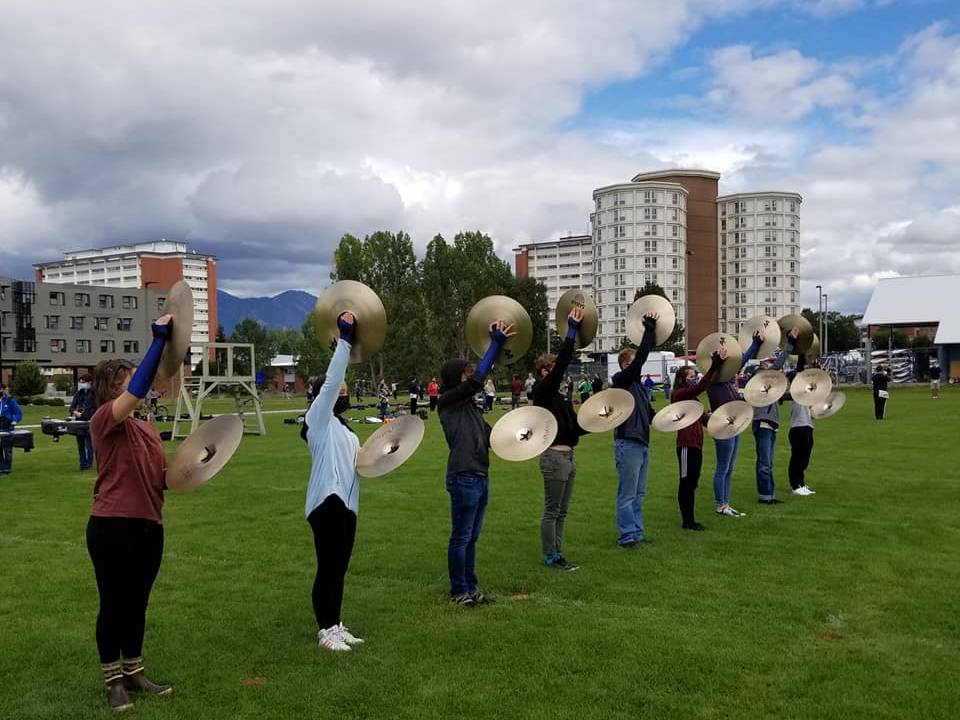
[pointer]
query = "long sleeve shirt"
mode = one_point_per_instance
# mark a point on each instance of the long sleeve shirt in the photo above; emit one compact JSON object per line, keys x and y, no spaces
{"x":546,"y":394}
{"x":637,"y":426}
{"x":692,"y":435}
{"x":332,"y":445}
{"x":84,"y":403}
{"x":720,"y":393}
{"x":769,"y":415}
{"x":466,"y":432}
{"x":10,"y":412}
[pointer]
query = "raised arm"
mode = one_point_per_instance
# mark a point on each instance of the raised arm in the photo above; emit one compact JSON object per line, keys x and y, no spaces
{"x":751,"y":351}
{"x":142,"y":378}
{"x":632,"y":372}
{"x":550,"y":385}
{"x":321,"y":409}
{"x":787,"y":350}
{"x":691,"y":392}
{"x":500,"y":332}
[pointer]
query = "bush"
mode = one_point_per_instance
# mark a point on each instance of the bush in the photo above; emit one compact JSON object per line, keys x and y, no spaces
{"x":56,"y":402}
{"x":27,"y":380}
{"x":63,"y":383}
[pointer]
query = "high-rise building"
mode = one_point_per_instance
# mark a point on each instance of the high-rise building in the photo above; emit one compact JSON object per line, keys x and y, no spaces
{"x":151,"y":265}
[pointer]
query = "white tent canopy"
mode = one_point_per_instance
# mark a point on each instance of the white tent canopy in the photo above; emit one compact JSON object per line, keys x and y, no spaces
{"x":924,"y":300}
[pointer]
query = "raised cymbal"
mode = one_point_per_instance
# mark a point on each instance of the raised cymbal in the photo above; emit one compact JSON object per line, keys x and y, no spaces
{"x":606,"y":410}
{"x":676,"y":416}
{"x":730,"y":419}
{"x":765,"y":388}
{"x":588,"y":327}
{"x":499,"y":307}
{"x":523,"y":433}
{"x":179,"y":303}
{"x":666,"y":321}
{"x":811,"y":387}
{"x":771,"y":335}
{"x":711,"y":344}
{"x":364,"y":304}
{"x":390,"y":446}
{"x":812,"y":354}
{"x":804,"y":340}
{"x":831,"y":406}
{"x":204,"y":453}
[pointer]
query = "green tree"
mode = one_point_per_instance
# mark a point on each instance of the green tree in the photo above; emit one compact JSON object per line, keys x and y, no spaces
{"x":249,"y":330}
{"x":27,"y":380}
{"x":315,"y":351}
{"x":676,"y":343}
{"x":881,"y":340}
{"x":842,"y":331}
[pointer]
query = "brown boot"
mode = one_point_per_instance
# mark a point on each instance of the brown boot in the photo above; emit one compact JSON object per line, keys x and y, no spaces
{"x":117,"y":696}
{"x":136,"y":681}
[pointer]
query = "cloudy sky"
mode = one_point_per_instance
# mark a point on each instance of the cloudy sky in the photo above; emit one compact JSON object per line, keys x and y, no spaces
{"x":261,"y":132}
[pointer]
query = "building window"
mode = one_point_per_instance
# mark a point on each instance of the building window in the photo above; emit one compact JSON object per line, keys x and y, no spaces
{"x":619,"y":263}
{"x":83,"y":346}
{"x":676,"y":263}
{"x":129,"y":302}
{"x":793,"y":282}
{"x":650,"y":278}
{"x":105,"y":301}
{"x":621,"y":279}
{"x":650,"y":262}
{"x":107,"y":346}
{"x":131,"y":346}
{"x":81,"y":299}
{"x":649,"y":196}
{"x":650,"y":213}
{"x":650,"y":246}
{"x":770,"y":281}
{"x":57,"y":299}
{"x":621,"y":231}
{"x":793,"y":267}
{"x":51,"y":322}
{"x":76,"y":322}
{"x":58,"y":345}
{"x":793,"y":206}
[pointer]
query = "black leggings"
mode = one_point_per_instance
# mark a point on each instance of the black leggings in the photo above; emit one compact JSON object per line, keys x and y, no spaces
{"x":126,"y":554}
{"x":801,"y":445}
{"x":879,"y":407}
{"x":691,"y":460}
{"x":334,"y":528}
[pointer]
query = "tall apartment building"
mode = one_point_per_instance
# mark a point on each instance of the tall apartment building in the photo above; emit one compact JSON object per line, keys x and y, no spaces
{"x":759,"y":268}
{"x":157,"y":265}
{"x":559,"y":264}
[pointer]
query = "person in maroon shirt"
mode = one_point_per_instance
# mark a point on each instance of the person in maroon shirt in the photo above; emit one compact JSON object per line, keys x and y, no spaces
{"x":125,"y":530}
{"x":690,"y":439}
{"x":516,"y":387}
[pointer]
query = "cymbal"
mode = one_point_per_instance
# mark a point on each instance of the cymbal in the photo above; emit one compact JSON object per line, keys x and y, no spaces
{"x":811,"y":387}
{"x":711,"y":344}
{"x":499,"y":307}
{"x":179,"y":303}
{"x":765,"y":388}
{"x":523,"y":433}
{"x":204,"y":453}
{"x":606,"y":410}
{"x":831,"y":406}
{"x":588,"y":327}
{"x":771,"y":335}
{"x":390,"y":446}
{"x":676,"y":416}
{"x":812,"y":354}
{"x":364,"y":304}
{"x":651,"y":304}
{"x":730,"y":419}
{"x":805,"y":339}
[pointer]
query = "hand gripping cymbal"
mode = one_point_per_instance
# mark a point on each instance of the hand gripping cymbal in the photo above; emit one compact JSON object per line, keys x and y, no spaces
{"x":771,"y":335}
{"x":804,"y":340}
{"x":575,"y":298}
{"x":666,"y":320}
{"x":711,"y":344}
{"x":499,"y":307}
{"x":364,"y":304}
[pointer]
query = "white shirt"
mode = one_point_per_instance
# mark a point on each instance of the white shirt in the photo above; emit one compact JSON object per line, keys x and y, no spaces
{"x":334,"y":448}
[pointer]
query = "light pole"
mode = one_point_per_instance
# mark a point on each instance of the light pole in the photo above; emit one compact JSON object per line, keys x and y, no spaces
{"x":820,"y":310}
{"x":826,"y":326}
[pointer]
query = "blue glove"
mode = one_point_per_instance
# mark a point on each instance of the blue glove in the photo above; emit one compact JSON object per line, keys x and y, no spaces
{"x":162,"y":331}
{"x":497,"y":341}
{"x":142,"y":379}
{"x":572,"y":326}
{"x":348,"y":331}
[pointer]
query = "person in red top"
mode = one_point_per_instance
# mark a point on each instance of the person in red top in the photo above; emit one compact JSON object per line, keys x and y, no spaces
{"x":516,"y":387}
{"x":433,"y":392}
{"x":125,"y":530}
{"x":690,"y":439}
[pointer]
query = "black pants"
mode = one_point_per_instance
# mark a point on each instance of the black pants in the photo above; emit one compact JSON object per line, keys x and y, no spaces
{"x":801,"y":445}
{"x":126,"y":554}
{"x":413,"y":406}
{"x":334,"y":528}
{"x":691,"y":460}
{"x":433,"y":402}
{"x":879,"y":407}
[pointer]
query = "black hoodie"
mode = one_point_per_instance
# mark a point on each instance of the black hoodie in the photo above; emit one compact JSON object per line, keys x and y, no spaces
{"x":467,"y":434}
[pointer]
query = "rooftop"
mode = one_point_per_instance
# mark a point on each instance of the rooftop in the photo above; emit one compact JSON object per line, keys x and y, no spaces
{"x":154,"y":247}
{"x":675,"y":172}
{"x":566,"y":240}
{"x":918,"y":300}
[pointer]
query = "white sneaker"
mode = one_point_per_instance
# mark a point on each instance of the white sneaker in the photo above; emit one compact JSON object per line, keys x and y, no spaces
{"x":810,"y":491}
{"x":348,"y":637}
{"x":800,"y":491}
{"x":727,"y":510}
{"x":331,"y":639}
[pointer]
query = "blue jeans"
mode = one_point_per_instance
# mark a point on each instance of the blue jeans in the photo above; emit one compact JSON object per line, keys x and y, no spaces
{"x":85,"y":448}
{"x":766,"y":441}
{"x":6,"y":456}
{"x":723,"y":475}
{"x":468,"y":503}
{"x":633,"y":462}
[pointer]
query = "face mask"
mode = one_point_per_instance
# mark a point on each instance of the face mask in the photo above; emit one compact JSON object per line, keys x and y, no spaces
{"x":83,"y":386}
{"x":342,"y":405}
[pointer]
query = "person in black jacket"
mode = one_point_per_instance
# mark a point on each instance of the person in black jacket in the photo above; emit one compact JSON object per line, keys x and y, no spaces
{"x":557,"y":462}
{"x":881,"y":380}
{"x":468,"y":438}
{"x":82,"y":407}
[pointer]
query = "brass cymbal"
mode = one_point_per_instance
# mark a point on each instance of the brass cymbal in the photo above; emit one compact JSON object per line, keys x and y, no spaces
{"x":711,"y":344}
{"x":523,"y":433}
{"x":390,"y":446}
{"x":811,"y":387}
{"x":804,"y":340}
{"x":812,"y":354}
{"x":364,"y":304}
{"x":730,"y":419}
{"x":204,"y":453}
{"x":831,"y":406}
{"x":765,"y":388}
{"x":771,"y":335}
{"x":606,"y":410}
{"x":651,"y":304}
{"x":676,"y":416}
{"x":179,"y":303}
{"x":588,"y":327}
{"x":499,"y":307}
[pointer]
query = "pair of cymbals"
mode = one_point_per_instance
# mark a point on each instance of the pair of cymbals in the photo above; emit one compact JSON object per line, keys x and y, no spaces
{"x":575,"y":298}
{"x":711,"y":344}
{"x":804,"y":340}
{"x":523,"y":433}
{"x":765,"y":388}
{"x":767,"y":327}
{"x":730,"y":419}
{"x":606,"y":410}
{"x":488,"y":311}
{"x":204,"y":453}
{"x":811,"y":387}
{"x":831,"y":406}
{"x":179,"y":304}
{"x":811,"y":354}
{"x":390,"y":446}
{"x":677,"y":416}
{"x":350,"y":296}
{"x":651,"y":304}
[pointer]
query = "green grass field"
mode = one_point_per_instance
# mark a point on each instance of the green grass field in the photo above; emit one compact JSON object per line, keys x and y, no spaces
{"x":841,"y":605}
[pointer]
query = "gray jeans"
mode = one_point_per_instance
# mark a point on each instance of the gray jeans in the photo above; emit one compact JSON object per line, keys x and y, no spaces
{"x":559,"y":471}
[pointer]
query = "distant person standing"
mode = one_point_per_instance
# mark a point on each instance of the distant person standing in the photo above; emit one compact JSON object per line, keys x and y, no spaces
{"x":383,"y":396}
{"x":489,"y":393}
{"x":433,"y":392}
{"x":10,"y":415}
{"x":881,"y":380}
{"x":935,"y":382}
{"x":516,"y":387}
{"x":82,"y":407}
{"x":528,"y":386}
{"x":666,"y":387}
{"x":414,"y":388}
{"x":584,"y":389}
{"x":597,"y":385}
{"x":649,"y":384}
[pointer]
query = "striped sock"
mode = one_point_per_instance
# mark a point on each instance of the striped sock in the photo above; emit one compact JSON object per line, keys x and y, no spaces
{"x":131,"y":666}
{"x":111,"y":671}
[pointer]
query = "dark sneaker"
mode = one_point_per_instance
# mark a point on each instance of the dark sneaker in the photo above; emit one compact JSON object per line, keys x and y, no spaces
{"x":632,"y":545}
{"x":694,"y":526}
{"x":771,"y":501}
{"x":479,"y":598}
{"x":561,"y":563}
{"x":465,"y":600}
{"x":117,"y":696}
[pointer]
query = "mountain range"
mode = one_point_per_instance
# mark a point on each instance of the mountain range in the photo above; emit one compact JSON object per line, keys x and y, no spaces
{"x":287,"y":310}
